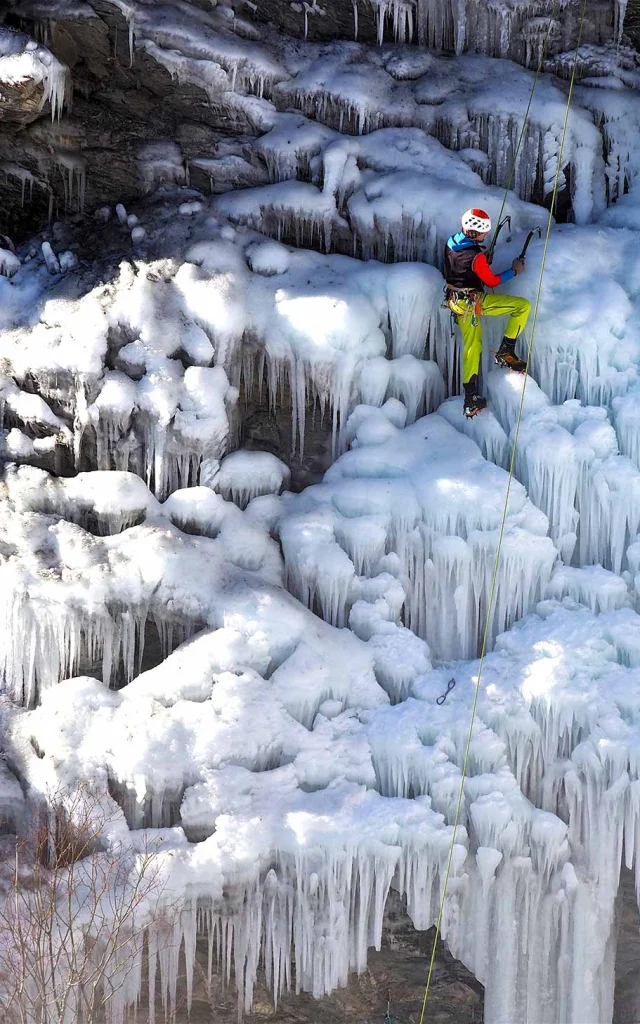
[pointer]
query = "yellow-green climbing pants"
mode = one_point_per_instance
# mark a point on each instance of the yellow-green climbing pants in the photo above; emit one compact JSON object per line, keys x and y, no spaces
{"x":513,"y":306}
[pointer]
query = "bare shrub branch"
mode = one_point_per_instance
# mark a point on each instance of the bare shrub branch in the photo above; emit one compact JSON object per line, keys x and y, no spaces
{"x":74,"y":917}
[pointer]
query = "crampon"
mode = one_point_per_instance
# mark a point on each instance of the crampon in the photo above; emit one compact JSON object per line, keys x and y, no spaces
{"x":506,"y":357}
{"x":473,"y":404}
{"x":510,"y":361}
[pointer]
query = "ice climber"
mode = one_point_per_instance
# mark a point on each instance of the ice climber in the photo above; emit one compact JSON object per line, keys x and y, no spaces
{"x":467,"y":273}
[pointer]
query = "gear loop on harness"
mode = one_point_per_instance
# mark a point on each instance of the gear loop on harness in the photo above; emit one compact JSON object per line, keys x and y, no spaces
{"x":463,"y":302}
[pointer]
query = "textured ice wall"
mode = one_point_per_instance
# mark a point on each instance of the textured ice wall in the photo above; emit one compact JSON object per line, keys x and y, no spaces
{"x":248,"y":70}
{"x":384,"y":195}
{"x":296,"y":326}
{"x":616,"y":111}
{"x":89,"y":561}
{"x":422,"y":503}
{"x":585,"y":344}
{"x":577,"y":688}
{"x":568,"y":459}
{"x":350,"y":802}
{"x":479,"y":107}
{"x":512,"y":29}
{"x":73,"y":598}
{"x":309,"y":328}
{"x":350,"y":790}
{"x":313,"y":328}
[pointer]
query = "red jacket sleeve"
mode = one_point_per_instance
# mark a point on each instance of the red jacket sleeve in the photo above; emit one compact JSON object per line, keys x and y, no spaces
{"x":484,"y":271}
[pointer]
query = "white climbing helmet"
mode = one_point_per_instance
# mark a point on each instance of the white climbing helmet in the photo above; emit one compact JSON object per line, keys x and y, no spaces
{"x":476,"y":220}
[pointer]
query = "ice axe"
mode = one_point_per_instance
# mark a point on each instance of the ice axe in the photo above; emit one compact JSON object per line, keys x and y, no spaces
{"x":492,"y":247}
{"x":534,"y":231}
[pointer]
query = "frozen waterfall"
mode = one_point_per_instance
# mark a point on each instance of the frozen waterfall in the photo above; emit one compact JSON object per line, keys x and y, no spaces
{"x":249,"y":540}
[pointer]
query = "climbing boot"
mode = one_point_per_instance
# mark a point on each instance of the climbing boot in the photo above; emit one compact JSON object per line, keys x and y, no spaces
{"x":506,"y":356}
{"x":473,"y":402}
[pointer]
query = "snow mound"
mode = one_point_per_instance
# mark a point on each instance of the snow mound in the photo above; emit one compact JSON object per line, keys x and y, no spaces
{"x":485,"y":430}
{"x":245,"y":475}
{"x":81,"y":599}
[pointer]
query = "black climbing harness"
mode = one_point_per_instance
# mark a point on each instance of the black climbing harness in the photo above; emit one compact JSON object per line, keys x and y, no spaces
{"x":443,"y":696}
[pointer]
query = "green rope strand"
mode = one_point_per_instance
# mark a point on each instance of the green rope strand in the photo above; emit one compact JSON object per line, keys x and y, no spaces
{"x":485,"y":637}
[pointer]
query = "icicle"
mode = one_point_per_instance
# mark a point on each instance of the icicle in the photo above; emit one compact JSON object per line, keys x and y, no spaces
{"x":55,"y":85}
{"x":620,"y":11}
{"x":380,"y":17}
{"x":23,"y":176}
{"x":51,"y":643}
{"x":50,"y":258}
{"x":73,"y":167}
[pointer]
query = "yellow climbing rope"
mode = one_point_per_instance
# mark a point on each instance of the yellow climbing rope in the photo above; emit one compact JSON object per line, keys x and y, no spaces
{"x":485,"y":637}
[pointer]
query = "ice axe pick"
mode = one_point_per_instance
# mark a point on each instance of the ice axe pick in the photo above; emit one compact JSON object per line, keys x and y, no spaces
{"x":492,"y":247}
{"x":534,"y":231}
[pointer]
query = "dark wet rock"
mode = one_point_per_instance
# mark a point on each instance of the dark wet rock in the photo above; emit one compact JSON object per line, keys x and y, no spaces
{"x":92,"y":155}
{"x":337,"y":21}
{"x":400,"y":968}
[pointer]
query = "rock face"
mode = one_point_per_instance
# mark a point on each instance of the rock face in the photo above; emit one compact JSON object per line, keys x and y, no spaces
{"x":126,"y":97}
{"x":632,"y":23}
{"x":22,"y":103}
{"x":92,"y":154}
{"x":627,"y":992}
{"x":336,"y":19}
{"x":462,"y":27}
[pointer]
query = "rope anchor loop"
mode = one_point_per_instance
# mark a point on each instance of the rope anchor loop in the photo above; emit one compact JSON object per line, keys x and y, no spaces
{"x":443,"y":696}
{"x":388,"y":1019}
